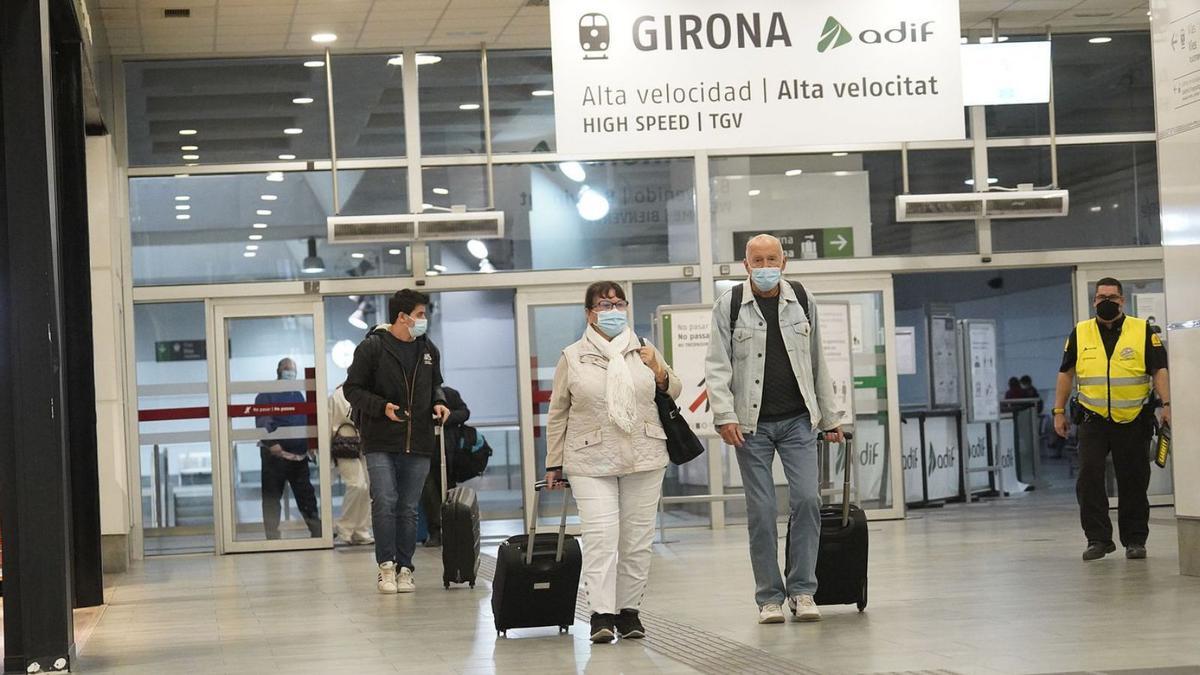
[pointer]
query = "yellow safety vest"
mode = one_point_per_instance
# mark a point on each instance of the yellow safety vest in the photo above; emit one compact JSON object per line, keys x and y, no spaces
{"x":1119,"y":387}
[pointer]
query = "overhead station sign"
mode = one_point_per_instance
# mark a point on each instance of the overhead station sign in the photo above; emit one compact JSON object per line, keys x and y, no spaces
{"x":687,"y":74}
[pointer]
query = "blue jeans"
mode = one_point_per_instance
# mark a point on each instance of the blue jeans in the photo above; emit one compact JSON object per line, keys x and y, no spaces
{"x":796,"y":443}
{"x":396,"y":483}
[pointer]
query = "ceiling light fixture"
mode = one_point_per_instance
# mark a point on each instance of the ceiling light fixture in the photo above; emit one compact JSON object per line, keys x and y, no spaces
{"x":991,"y":181}
{"x":477,"y":248}
{"x":573,"y":170}
{"x":275,"y":176}
{"x":1096,"y":209}
{"x":394,"y":251}
{"x":754,"y":193}
{"x":440,"y":191}
{"x":249,"y":254}
{"x":314,"y":64}
{"x":187,"y":132}
{"x":313,"y":263}
{"x":324,"y":38}
{"x":469,"y":106}
{"x":260,"y":226}
{"x":182,"y":207}
{"x":422,"y":60}
{"x":183,"y":198}
{"x":191,"y":157}
{"x":189,"y":148}
{"x":251,"y":247}
{"x":841,"y":173}
{"x":1102,"y":40}
{"x":840,"y":154}
{"x":255,"y":237}
{"x":293,"y":131}
{"x":358,"y":256}
{"x":302,"y":100}
{"x":591,"y":205}
{"x":440,"y":268}
{"x":989,"y":40}
{"x":287,"y":157}
{"x":542,"y":92}
{"x":263,"y":212}
{"x":183,"y":216}
{"x":793,"y":172}
{"x":268,"y":198}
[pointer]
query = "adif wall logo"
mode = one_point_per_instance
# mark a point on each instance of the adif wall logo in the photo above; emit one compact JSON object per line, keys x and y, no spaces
{"x":835,"y":35}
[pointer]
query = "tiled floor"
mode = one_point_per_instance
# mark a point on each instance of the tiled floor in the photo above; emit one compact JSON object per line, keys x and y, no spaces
{"x":986,"y":588}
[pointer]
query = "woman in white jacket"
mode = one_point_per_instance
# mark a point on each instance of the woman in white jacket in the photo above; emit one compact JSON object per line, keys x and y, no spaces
{"x":354,"y":525}
{"x":604,"y":433}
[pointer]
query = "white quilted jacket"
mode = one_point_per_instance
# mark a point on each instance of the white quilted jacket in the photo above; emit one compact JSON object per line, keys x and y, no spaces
{"x":579,"y":435}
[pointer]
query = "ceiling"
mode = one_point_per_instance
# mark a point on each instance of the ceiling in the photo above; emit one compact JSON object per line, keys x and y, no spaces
{"x":232,"y":27}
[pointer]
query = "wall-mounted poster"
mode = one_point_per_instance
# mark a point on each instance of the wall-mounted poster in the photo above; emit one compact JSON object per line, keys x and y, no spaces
{"x":982,"y":386}
{"x":943,"y":361}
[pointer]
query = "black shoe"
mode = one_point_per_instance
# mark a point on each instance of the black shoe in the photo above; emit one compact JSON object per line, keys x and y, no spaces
{"x":434,"y":541}
{"x":629,"y":626}
{"x":602,"y":628}
{"x":1135,"y":552}
{"x":1097,"y":550}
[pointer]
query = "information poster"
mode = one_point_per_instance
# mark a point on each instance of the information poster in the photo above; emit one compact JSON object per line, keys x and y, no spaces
{"x":906,"y":350}
{"x":678,"y":75}
{"x":835,"y":341}
{"x":983,"y":396}
{"x":1153,"y":308}
{"x":943,"y":357}
{"x":683,"y":335}
{"x":1176,"y":27}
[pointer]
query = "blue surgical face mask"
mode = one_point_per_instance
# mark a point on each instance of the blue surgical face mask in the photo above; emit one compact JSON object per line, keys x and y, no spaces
{"x":765,"y":278}
{"x":612,"y":323}
{"x":419,"y":327}
{"x":287,"y":375}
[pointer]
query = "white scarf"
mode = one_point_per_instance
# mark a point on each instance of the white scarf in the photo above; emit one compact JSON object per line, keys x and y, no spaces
{"x":619,"y":392}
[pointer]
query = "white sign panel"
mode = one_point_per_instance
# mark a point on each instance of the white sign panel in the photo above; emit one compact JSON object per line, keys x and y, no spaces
{"x":683,"y":336}
{"x":943,"y":361}
{"x":1177,"y":65}
{"x":910,"y":440}
{"x":1006,"y":73}
{"x":983,"y":396}
{"x":906,"y":350}
{"x":835,"y":340}
{"x":692,"y":74}
{"x":1152,"y":307}
{"x":941,"y":457}
{"x":977,"y":455}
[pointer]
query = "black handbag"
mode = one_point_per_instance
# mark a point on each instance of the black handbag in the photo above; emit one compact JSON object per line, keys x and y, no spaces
{"x":682,"y":444}
{"x":346,"y":447}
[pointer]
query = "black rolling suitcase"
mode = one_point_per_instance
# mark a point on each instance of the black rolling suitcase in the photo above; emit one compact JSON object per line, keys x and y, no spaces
{"x":842,"y":556}
{"x":460,"y":529}
{"x":537,"y":586}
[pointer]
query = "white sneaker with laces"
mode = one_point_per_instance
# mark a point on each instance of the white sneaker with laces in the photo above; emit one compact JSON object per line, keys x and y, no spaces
{"x":387,"y":578}
{"x":770,"y":613}
{"x":804,"y":608}
{"x":404,"y":581}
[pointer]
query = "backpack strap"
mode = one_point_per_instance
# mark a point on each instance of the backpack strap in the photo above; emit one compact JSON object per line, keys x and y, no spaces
{"x":735,"y":308}
{"x":802,"y":296}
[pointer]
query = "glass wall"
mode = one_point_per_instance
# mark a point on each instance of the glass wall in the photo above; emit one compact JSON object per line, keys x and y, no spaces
{"x":451,"y":103}
{"x":521,"y":87}
{"x":369,"y":102}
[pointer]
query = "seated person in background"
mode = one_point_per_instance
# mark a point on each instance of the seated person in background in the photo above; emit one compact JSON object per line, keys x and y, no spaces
{"x":1014,"y":389}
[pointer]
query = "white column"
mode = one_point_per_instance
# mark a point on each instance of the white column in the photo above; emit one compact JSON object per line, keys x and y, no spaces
{"x":105,"y":222}
{"x":1177,"y":104}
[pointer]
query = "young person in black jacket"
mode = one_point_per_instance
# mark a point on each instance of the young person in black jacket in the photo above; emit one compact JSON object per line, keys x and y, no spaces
{"x":395,"y":383}
{"x":431,"y":499}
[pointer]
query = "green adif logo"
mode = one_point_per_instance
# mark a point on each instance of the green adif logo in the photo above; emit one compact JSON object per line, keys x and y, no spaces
{"x":834,"y":35}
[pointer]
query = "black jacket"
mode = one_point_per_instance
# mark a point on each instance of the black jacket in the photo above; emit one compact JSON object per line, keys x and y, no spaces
{"x":378,"y":377}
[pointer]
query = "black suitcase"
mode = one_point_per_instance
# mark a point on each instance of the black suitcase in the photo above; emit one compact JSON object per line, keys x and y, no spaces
{"x":539,"y":585}
{"x":460,"y":529}
{"x":842,"y":555}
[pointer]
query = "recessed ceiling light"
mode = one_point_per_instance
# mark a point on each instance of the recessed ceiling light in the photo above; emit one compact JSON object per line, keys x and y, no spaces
{"x":251,"y":247}
{"x":187,"y":132}
{"x":324,"y":38}
{"x":191,"y":157}
{"x":286,"y":157}
{"x":302,"y":100}
{"x":1116,"y":206}
{"x":793,"y":172}
{"x":440,"y":191}
{"x":358,"y":256}
{"x":255,"y":237}
{"x":397,"y":60}
{"x":542,"y":92}
{"x":840,"y":154}
{"x":260,"y":226}
{"x":991,"y":181}
{"x":1096,"y":209}
{"x":189,"y":148}
{"x":268,"y":198}
{"x":754,"y":193}
{"x":263,"y":212}
{"x":183,"y":198}
{"x":182,"y":207}
{"x":183,"y":216}
{"x":469,"y":106}
{"x":249,"y":254}
{"x":964,"y":40}
{"x":841,"y":173}
{"x":1102,"y":40}
{"x":182,"y":175}
{"x":426,"y":206}
{"x":428,"y":59}
{"x":293,"y":131}
{"x":314,"y":64}
{"x":275,"y":176}
{"x":394,"y":251}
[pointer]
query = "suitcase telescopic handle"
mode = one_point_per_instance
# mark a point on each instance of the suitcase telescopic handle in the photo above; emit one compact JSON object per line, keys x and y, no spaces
{"x":538,"y":487}
{"x":440,"y":431}
{"x":848,"y":442}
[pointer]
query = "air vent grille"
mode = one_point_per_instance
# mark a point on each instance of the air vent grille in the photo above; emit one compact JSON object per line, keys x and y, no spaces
{"x":177,"y":13}
{"x":386,"y":229}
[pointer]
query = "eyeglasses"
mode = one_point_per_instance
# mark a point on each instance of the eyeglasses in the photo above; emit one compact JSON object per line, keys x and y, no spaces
{"x":606,"y":306}
{"x":1102,"y":298}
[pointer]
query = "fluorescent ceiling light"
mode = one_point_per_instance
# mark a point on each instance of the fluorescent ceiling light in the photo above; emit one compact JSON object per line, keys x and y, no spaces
{"x":992,"y":180}
{"x":477,"y":248}
{"x":268,"y":198}
{"x":573,"y":170}
{"x":293,"y":131}
{"x":542,"y":92}
{"x":754,"y":193}
{"x":263,"y":212}
{"x":255,"y":237}
{"x":191,"y":157}
{"x":275,"y":176}
{"x":1096,"y":209}
{"x":302,"y":100}
{"x":251,"y":247}
{"x":394,"y":251}
{"x":840,"y":154}
{"x":469,"y":106}
{"x":183,"y":198}
{"x":260,"y":226}
{"x":440,"y":191}
{"x":189,"y":148}
{"x":358,"y":256}
{"x":314,"y":64}
{"x":183,"y":216}
{"x":286,"y":157}
{"x":182,"y":207}
{"x":187,"y":132}
{"x":841,"y":173}
{"x":324,"y":38}
{"x":1102,"y":40}
{"x":793,"y":172}
{"x":422,"y":60}
{"x":249,"y":254}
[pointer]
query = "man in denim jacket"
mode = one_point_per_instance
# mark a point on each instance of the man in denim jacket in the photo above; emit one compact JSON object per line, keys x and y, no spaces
{"x":770,"y":392}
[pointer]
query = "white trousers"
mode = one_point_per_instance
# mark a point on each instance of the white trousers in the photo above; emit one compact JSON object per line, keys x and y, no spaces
{"x":355,"y":520}
{"x":617,"y":521}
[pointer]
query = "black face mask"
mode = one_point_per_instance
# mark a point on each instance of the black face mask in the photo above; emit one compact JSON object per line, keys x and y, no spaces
{"x":1108,"y":310}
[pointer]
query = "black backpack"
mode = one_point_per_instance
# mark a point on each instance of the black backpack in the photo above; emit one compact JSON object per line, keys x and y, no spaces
{"x":471,"y":456}
{"x":735,"y":307}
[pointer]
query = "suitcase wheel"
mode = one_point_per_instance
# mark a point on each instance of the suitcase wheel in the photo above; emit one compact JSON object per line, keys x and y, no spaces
{"x":472,"y":584}
{"x":446,"y":584}
{"x":564,"y":629}
{"x":862,"y":599}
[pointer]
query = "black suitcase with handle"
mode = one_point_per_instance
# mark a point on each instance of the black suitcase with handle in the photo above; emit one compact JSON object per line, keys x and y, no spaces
{"x":842,"y":556}
{"x":460,"y":529}
{"x":537,"y":586}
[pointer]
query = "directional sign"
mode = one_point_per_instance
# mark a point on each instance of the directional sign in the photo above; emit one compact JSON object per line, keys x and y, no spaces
{"x":805,"y":244}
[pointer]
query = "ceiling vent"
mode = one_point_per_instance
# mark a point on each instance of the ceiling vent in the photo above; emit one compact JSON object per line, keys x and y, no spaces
{"x":457,"y":226}
{"x":177,"y":13}
{"x":970,"y":205}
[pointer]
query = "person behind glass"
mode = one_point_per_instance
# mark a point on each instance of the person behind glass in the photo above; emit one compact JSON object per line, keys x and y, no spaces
{"x":1115,"y":360}
{"x":1014,"y":389}
{"x":604,"y":432}
{"x":285,"y":460}
{"x":770,"y":393}
{"x":431,"y":497}
{"x":395,"y":382}
{"x":1031,"y":392}
{"x":354,"y":525}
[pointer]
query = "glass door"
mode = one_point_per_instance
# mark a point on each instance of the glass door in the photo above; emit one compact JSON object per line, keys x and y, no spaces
{"x":272,"y":451}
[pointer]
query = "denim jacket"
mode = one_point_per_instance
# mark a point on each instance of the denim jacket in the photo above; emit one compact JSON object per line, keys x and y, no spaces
{"x":735,"y":381}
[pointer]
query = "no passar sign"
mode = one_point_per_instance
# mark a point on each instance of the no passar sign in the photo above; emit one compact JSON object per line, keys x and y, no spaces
{"x":696,"y":74}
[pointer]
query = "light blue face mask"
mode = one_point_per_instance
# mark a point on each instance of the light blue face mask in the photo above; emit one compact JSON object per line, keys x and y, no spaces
{"x":287,"y":374}
{"x":419,"y":327}
{"x":765,"y":278}
{"x":612,"y":323}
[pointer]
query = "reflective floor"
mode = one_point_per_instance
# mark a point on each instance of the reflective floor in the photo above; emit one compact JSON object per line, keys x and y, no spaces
{"x":986,"y":588}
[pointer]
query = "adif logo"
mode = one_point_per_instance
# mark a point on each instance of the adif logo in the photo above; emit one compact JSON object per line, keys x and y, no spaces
{"x":593,"y":35}
{"x":942,"y":461}
{"x":835,"y":35}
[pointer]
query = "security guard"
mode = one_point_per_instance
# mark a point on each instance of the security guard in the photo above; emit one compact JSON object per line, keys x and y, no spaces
{"x":1115,"y":358}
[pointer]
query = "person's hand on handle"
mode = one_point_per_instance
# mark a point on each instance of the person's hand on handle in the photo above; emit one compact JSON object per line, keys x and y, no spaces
{"x":1060,"y":424}
{"x":391,"y":411}
{"x":650,"y":358}
{"x":1165,"y":419}
{"x":441,"y":412}
{"x":554,"y":479}
{"x":276,"y":450}
{"x":732,"y":434}
{"x":835,"y":435}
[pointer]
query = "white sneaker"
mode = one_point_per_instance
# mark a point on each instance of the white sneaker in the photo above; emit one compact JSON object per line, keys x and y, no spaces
{"x":404,"y":581}
{"x":387,"y":578}
{"x":804,"y":608}
{"x":770,"y":613}
{"x":361,"y":540}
